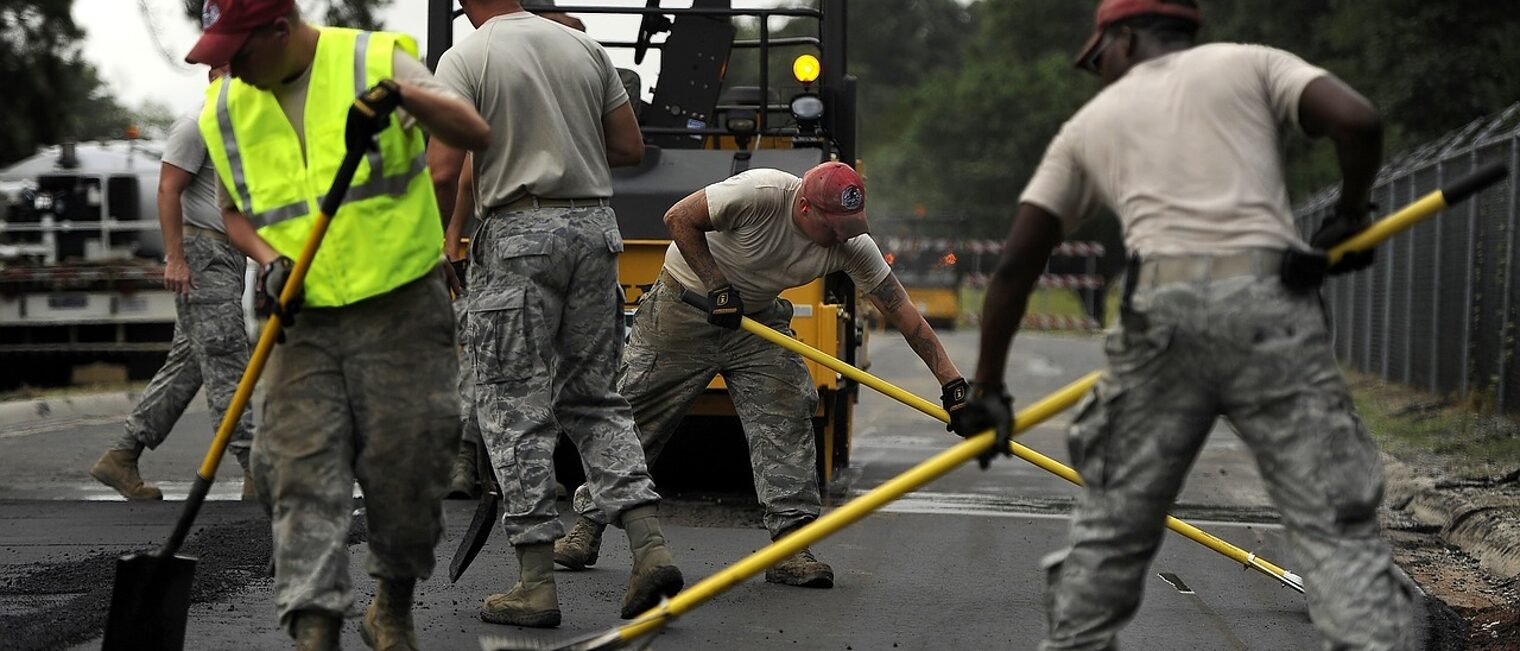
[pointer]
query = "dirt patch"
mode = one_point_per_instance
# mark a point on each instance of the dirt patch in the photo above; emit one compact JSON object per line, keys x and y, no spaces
{"x":64,"y":604}
{"x":1481,"y":613}
{"x":60,"y":605}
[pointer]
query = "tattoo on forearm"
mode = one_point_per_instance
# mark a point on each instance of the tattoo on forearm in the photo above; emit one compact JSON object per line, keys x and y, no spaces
{"x":921,"y":339}
{"x":891,"y":294}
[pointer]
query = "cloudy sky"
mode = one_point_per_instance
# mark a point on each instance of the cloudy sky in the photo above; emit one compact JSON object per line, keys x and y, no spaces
{"x":139,"y":68}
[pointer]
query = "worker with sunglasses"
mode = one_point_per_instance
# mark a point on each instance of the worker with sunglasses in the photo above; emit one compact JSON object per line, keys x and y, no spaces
{"x":1221,"y":316}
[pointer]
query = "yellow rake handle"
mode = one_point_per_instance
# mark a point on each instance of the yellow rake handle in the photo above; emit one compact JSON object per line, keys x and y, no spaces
{"x":1020,"y":450}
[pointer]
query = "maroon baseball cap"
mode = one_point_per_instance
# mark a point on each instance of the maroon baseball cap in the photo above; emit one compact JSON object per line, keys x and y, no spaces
{"x":836,"y":190}
{"x":226,"y":25}
{"x":1113,"y":11}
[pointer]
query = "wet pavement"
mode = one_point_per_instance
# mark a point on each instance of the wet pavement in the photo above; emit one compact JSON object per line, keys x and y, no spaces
{"x":955,"y":565}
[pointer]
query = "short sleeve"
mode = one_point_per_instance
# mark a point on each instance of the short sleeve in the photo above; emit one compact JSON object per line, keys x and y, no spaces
{"x":185,"y":148}
{"x":1060,"y":185}
{"x":453,"y":77}
{"x":1284,"y":77}
{"x":864,"y":263}
{"x":614,"y":94}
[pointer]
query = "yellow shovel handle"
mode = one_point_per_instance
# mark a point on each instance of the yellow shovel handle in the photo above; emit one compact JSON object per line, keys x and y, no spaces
{"x":262,"y":349}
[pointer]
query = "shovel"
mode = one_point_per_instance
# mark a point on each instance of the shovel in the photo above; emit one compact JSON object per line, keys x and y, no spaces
{"x":150,"y":602}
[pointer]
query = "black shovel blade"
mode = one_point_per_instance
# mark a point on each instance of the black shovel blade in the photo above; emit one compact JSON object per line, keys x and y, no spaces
{"x":475,"y":537}
{"x":150,"y":603}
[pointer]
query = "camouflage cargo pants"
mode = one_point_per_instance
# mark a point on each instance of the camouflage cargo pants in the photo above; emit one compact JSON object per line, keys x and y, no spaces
{"x":366,"y":392}
{"x":545,"y":347}
{"x":1244,"y":348}
{"x":210,"y":349}
{"x":469,"y":424}
{"x":674,"y":353}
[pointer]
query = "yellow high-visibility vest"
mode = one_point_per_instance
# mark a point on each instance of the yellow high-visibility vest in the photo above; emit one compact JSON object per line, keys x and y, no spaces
{"x":387,"y":232}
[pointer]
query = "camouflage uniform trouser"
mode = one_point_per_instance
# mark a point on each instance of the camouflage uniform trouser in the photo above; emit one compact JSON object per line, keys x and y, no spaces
{"x":545,"y":349}
{"x":469,"y":424}
{"x":210,"y":348}
{"x":362,"y":391}
{"x":1247,"y":349}
{"x":672,"y":356}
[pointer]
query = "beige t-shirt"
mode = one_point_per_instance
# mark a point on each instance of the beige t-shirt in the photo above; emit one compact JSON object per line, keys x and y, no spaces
{"x":186,"y":149}
{"x":544,"y":89}
{"x":292,"y":99}
{"x":761,"y":251}
{"x":1187,"y":149}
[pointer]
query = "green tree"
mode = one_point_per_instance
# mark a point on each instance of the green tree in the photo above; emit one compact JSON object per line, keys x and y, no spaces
{"x":52,"y":94}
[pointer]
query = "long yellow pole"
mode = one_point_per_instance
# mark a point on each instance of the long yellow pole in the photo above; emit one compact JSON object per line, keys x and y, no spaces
{"x":1024,"y":452}
{"x":850,"y":512}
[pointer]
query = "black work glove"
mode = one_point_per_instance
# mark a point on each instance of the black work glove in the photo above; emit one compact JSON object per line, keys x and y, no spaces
{"x":1306,"y":270}
{"x":953,"y":396}
{"x":987,"y":407}
{"x":1339,"y":229}
{"x":271,"y":283}
{"x":724,"y":307}
{"x":370,"y":114}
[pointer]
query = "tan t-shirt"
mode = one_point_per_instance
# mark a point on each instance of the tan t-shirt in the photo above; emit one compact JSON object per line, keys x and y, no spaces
{"x":761,"y":251}
{"x":1187,"y":149}
{"x":544,"y":89}
{"x":292,"y":99}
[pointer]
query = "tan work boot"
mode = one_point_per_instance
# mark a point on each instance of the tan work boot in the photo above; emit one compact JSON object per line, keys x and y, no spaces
{"x":533,"y":601}
{"x":118,"y":469}
{"x":802,"y":569}
{"x":579,"y":549}
{"x":463,"y":483}
{"x":387,"y":624}
{"x":654,"y":575}
{"x":315,"y":630}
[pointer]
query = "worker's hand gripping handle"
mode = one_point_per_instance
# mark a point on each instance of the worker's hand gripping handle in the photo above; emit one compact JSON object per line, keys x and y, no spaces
{"x":371,"y":114}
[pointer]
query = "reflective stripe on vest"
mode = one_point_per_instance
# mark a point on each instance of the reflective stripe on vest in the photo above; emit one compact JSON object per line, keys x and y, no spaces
{"x":387,"y":232}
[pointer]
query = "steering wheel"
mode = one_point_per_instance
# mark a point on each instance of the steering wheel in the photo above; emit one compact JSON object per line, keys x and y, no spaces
{"x":651,"y":25}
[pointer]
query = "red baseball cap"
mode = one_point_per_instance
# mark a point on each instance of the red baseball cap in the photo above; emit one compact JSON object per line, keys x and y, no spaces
{"x":838,"y":192}
{"x":226,"y":25}
{"x":1113,"y":11}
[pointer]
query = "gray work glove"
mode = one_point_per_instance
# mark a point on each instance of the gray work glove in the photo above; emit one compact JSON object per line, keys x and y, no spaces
{"x":988,"y":406}
{"x":271,"y":283}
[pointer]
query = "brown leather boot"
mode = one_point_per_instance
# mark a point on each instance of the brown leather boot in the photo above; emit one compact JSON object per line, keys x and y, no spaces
{"x":532,"y":601}
{"x":579,"y":549}
{"x":655,"y":575}
{"x":315,"y":630}
{"x":118,"y":469}
{"x":387,"y":624}
{"x":802,"y":569}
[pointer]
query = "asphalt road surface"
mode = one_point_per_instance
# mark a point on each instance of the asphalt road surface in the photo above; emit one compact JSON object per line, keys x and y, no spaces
{"x":954,"y":566}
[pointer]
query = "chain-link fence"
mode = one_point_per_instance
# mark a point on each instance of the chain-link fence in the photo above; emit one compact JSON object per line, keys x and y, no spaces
{"x":1438,"y":310}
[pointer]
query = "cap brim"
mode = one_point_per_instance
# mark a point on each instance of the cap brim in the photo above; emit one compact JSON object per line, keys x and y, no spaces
{"x":1087,"y":49}
{"x":216,"y":49}
{"x":855,"y":222}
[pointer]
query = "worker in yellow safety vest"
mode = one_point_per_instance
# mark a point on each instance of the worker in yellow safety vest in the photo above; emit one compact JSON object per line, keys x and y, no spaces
{"x":362,"y":388}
